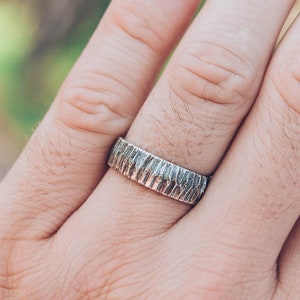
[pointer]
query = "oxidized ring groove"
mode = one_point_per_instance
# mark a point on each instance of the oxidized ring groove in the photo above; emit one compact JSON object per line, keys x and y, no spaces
{"x":156,"y":173}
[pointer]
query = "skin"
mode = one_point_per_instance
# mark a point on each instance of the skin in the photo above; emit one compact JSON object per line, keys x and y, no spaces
{"x":70,"y":228}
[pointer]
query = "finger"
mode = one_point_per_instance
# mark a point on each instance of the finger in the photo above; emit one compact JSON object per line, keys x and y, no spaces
{"x":289,"y":267}
{"x":196,"y":107}
{"x":66,"y":157}
{"x":253,"y":201}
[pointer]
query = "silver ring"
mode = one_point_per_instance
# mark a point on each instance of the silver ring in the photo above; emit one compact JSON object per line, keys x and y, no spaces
{"x":156,"y":173}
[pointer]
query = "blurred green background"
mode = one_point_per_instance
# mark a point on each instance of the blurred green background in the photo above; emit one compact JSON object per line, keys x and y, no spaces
{"x":40,"y":41}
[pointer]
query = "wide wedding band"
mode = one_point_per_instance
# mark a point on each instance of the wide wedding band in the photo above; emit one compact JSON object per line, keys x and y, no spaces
{"x":156,"y":173}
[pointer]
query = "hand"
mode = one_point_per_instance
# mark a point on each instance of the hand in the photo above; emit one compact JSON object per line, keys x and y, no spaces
{"x":72,"y":229}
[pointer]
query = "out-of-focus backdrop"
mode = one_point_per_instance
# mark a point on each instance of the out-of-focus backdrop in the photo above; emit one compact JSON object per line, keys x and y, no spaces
{"x":39,"y":43}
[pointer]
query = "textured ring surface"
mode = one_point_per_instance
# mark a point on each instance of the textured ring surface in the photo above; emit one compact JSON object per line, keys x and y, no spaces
{"x":156,"y":173}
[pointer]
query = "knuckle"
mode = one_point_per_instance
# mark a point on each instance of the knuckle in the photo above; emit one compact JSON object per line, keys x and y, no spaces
{"x":139,"y":23}
{"x":214,"y":73}
{"x":94,"y":107}
{"x":286,"y":80}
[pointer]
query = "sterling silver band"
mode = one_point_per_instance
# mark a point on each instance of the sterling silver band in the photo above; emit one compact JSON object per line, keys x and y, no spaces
{"x":156,"y":173}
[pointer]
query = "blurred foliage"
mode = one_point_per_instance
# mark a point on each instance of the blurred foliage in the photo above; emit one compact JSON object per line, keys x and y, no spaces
{"x":40,"y":41}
